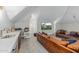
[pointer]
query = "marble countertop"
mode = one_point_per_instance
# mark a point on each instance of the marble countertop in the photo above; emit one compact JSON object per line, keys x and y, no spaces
{"x":7,"y":44}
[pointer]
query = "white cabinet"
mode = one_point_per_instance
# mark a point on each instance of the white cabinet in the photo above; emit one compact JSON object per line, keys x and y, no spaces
{"x":10,"y":45}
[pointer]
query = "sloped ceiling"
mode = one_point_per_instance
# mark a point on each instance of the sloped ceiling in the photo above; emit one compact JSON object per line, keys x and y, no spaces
{"x":51,"y":13}
{"x":47,"y":13}
{"x":24,"y":13}
{"x":71,"y":16}
{"x":12,"y":11}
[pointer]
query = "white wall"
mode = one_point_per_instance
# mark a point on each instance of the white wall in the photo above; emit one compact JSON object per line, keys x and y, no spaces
{"x":69,"y":27}
{"x":22,"y":20}
{"x":23,"y":23}
{"x":49,"y":14}
{"x":33,"y":23}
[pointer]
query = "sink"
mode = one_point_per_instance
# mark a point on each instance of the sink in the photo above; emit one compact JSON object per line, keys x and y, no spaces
{"x":7,"y":36}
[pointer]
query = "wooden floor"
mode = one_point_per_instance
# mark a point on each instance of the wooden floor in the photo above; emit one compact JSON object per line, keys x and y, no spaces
{"x":31,"y":46}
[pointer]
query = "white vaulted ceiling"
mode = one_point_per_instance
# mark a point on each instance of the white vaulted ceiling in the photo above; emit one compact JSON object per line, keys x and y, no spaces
{"x":16,"y":13}
{"x":24,"y":13}
{"x":12,"y":11}
{"x":71,"y":16}
{"x":47,"y":13}
{"x":51,"y":13}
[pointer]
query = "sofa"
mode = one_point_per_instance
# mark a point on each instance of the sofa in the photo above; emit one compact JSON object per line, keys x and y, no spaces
{"x":64,"y":34}
{"x":56,"y":45}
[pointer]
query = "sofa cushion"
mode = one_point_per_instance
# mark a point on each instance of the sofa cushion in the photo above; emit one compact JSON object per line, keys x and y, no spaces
{"x":64,"y":43}
{"x":72,"y":33}
{"x":71,"y":41}
{"x":59,"y":41}
{"x":74,"y":46}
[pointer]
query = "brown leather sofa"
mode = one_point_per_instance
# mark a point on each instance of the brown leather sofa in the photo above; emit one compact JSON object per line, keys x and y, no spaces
{"x":53,"y":44}
{"x":74,"y":46}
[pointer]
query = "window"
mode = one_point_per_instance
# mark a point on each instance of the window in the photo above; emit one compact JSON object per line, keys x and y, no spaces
{"x":46,"y":26}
